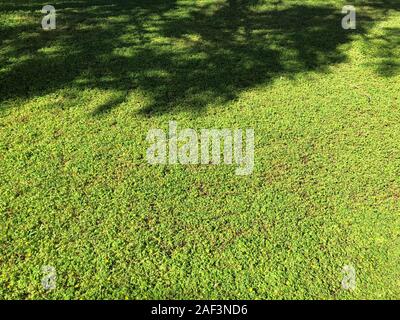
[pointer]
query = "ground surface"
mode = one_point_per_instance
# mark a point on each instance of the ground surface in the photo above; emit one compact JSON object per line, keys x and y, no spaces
{"x":77,"y":193}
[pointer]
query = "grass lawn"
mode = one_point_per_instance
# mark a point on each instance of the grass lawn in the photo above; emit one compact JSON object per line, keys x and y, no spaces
{"x":78,"y":194}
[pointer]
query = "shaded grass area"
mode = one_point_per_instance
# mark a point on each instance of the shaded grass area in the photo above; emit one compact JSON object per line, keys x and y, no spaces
{"x":76,"y":104}
{"x":227,"y":46}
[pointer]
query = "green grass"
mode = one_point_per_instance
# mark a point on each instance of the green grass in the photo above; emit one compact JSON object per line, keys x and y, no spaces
{"x":77,"y":192}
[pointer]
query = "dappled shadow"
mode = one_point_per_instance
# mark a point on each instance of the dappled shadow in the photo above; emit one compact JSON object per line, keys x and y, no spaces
{"x":178,"y":54}
{"x":386,"y":47}
{"x":384,"y":44}
{"x":390,"y":66}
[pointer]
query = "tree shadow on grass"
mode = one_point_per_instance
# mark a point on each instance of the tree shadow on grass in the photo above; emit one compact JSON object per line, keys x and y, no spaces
{"x":182,"y":55}
{"x":386,"y":47}
{"x":383,"y":44}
